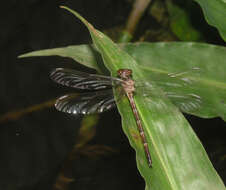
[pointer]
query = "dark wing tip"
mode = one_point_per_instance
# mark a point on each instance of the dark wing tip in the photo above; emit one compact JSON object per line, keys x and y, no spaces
{"x":61,"y":76}
{"x":58,"y":103}
{"x":54,"y":72}
{"x":63,"y":104}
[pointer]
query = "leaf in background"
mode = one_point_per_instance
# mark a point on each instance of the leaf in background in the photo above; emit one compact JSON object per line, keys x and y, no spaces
{"x":215,"y":14}
{"x":193,"y":75}
{"x":87,"y":130}
{"x":86,"y":55}
{"x":180,"y":23}
{"x":179,"y":160}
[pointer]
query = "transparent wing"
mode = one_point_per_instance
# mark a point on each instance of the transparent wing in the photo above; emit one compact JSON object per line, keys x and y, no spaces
{"x":86,"y":103}
{"x":80,"y":80}
{"x":181,"y":88}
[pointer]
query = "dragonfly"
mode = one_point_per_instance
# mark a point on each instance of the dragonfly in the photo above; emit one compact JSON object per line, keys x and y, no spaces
{"x":100,"y":98}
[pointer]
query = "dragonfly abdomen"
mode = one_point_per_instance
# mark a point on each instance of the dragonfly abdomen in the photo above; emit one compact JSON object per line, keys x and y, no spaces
{"x":140,"y":128}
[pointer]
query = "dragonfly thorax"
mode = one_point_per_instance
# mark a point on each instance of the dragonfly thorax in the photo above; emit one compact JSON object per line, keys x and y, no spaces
{"x":128,"y":86}
{"x":128,"y":83}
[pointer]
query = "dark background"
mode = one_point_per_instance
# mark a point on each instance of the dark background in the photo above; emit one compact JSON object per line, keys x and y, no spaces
{"x":33,"y":147}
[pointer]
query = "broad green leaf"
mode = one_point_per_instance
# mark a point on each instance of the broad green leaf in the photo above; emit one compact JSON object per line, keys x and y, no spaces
{"x":203,"y":93}
{"x":86,"y":55}
{"x":215,"y":14}
{"x":193,"y":75}
{"x":180,"y":23}
{"x":179,"y":160}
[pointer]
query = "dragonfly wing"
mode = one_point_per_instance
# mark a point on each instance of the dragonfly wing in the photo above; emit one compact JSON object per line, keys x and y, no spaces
{"x":86,"y":103}
{"x":182,"y":89}
{"x":80,"y":80}
{"x":184,"y":96}
{"x":185,"y":102}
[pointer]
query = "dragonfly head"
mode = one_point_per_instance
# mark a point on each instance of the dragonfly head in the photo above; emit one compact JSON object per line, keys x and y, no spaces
{"x":124,"y":73}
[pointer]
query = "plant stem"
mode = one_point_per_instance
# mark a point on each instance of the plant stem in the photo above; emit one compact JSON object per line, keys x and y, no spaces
{"x":139,"y":7}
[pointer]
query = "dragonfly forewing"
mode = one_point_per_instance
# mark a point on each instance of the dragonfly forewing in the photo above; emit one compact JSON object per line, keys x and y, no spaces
{"x":80,"y":80}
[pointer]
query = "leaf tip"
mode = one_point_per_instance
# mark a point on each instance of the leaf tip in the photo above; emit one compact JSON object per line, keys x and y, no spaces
{"x":22,"y":56}
{"x":88,"y":25}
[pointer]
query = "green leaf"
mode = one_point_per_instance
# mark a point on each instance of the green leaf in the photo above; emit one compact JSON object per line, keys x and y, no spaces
{"x":192,"y":74}
{"x":180,"y":23}
{"x":86,"y":55}
{"x":215,"y":14}
{"x":179,"y":160}
{"x":161,"y":59}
